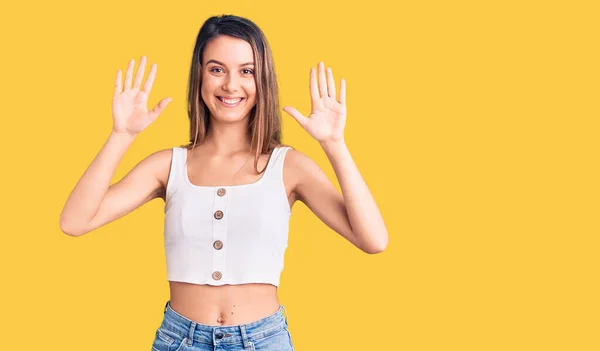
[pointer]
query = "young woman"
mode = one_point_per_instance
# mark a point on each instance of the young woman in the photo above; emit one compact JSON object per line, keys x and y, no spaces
{"x":229,"y":192}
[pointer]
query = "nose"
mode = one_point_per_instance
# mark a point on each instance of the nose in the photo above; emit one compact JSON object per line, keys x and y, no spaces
{"x":231,"y":83}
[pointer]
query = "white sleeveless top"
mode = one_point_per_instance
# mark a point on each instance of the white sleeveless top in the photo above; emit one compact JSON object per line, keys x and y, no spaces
{"x":221,"y":235}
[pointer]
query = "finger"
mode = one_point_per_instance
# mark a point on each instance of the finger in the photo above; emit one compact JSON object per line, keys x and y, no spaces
{"x":128,"y":74}
{"x":331,"y":84}
{"x":150,"y":79}
{"x":343,"y":92}
{"x":140,"y":73}
{"x":314,"y":89}
{"x":118,"y":87}
{"x":162,"y":104}
{"x":301,"y":119}
{"x":322,"y":80}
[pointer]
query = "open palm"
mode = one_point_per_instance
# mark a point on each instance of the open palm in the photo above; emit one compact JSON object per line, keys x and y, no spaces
{"x":129,"y":107}
{"x":327,"y":119}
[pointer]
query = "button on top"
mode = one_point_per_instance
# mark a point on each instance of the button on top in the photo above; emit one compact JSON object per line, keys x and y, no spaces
{"x":219,"y":214}
{"x":218,"y":244}
{"x":221,"y":192}
{"x":217,"y":275}
{"x":219,"y":335}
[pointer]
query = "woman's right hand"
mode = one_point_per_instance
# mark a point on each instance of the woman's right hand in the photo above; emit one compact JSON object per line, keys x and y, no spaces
{"x":129,"y":106}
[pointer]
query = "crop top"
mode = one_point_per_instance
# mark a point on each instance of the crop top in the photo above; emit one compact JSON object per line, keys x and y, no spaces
{"x":229,"y":234}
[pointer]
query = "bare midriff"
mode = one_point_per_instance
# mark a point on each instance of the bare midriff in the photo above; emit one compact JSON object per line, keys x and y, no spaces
{"x":223,"y":305}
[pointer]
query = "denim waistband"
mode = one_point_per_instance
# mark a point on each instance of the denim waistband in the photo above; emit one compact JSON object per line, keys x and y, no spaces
{"x":229,"y":334}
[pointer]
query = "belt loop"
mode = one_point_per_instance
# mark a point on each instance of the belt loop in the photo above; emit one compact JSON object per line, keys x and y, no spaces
{"x":247,"y":343}
{"x":286,"y":314}
{"x":165,"y":311}
{"x":190,"y":339}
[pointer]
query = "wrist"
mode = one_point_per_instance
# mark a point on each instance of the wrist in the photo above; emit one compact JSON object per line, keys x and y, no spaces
{"x":333,"y":145}
{"x":122,"y":136}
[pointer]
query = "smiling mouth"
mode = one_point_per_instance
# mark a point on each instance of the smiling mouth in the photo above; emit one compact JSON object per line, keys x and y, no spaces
{"x":230,"y":102}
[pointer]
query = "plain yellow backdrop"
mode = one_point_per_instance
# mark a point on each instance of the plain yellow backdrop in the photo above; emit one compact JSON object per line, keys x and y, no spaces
{"x":474,"y":123}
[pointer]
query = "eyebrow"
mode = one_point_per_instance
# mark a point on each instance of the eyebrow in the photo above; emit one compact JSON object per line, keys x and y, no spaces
{"x":222,"y":64}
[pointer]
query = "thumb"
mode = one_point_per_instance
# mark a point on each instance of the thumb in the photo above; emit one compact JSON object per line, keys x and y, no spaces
{"x":296,"y":115}
{"x":162,"y":104}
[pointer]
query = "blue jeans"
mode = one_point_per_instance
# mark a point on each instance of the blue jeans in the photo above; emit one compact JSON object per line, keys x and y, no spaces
{"x":178,"y":333}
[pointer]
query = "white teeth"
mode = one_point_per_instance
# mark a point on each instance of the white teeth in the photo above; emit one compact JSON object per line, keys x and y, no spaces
{"x":231,"y":101}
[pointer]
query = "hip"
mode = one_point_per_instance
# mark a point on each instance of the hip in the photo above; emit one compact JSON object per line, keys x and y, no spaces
{"x":177,"y":333}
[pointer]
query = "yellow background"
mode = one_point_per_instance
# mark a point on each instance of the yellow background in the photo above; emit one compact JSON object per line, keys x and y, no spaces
{"x":475,"y":124}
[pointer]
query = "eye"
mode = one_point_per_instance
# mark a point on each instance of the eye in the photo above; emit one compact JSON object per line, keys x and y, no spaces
{"x":216,"y":69}
{"x":248,"y":71}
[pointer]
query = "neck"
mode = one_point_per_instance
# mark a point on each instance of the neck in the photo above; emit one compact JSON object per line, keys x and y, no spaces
{"x":228,"y":138}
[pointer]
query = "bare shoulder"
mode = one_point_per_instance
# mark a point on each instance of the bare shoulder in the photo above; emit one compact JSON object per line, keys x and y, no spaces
{"x":299,"y":162}
{"x":300,"y":170}
{"x":158,"y":165}
{"x":161,"y":162}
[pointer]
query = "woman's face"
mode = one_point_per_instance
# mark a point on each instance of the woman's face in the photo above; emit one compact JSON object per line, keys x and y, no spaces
{"x":228,"y":85}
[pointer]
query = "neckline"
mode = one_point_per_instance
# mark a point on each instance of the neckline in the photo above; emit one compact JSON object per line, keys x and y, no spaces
{"x":258,"y":181}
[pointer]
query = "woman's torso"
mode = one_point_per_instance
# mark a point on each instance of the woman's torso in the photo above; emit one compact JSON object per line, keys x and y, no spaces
{"x":233,"y":303}
{"x":223,"y":305}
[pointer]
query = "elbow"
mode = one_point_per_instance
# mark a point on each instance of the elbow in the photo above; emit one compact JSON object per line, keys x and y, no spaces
{"x":376,"y":246}
{"x":372,"y":250}
{"x":69,"y":229}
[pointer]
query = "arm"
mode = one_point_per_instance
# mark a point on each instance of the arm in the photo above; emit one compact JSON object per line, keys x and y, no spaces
{"x":94,"y":202}
{"x":353,"y":213}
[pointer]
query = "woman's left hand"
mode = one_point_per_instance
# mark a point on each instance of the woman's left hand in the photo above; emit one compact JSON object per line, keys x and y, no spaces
{"x":328,"y":116}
